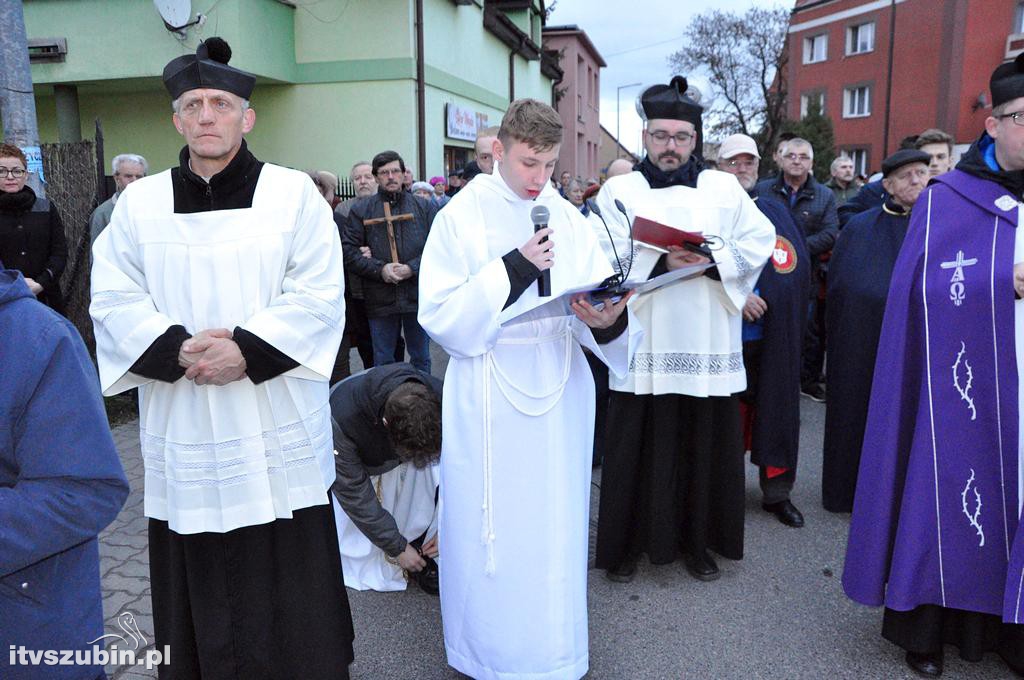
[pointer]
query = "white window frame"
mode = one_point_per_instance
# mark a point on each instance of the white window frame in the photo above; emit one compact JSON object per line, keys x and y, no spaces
{"x":853,"y":38}
{"x":850,"y":103}
{"x":809,"y":43}
{"x":1018,"y":18}
{"x":860,"y":160}
{"x":805,"y":103}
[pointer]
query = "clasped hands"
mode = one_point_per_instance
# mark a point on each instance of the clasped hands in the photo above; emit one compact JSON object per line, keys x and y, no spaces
{"x":392,"y":272}
{"x":212,"y":357}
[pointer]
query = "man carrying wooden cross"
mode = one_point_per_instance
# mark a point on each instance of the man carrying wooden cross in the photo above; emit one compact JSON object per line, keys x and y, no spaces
{"x":393,"y":224}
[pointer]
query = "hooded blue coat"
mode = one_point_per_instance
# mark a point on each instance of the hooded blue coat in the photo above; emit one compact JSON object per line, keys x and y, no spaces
{"x":61,"y":483}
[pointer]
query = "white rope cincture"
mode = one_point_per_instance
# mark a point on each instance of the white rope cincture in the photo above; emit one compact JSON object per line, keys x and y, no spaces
{"x":491,"y":370}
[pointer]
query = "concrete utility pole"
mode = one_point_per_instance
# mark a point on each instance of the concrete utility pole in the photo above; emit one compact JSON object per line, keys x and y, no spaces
{"x":19,"y":104}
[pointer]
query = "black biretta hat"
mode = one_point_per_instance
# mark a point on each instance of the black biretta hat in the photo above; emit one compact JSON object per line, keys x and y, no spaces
{"x":208,"y":67}
{"x":669,"y":101}
{"x":1007,"y":81}
{"x":904,"y":157}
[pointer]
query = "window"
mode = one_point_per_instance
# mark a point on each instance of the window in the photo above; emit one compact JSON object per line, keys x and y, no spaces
{"x":860,"y":160}
{"x":857,"y":101}
{"x":816,"y":48}
{"x":860,"y":38}
{"x":1018,"y":18}
{"x":805,"y":103}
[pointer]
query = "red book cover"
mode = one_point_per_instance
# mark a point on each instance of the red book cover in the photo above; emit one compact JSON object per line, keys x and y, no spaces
{"x":661,"y":235}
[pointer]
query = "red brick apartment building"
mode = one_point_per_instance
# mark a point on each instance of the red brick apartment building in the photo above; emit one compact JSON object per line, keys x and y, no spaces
{"x":886,"y":69}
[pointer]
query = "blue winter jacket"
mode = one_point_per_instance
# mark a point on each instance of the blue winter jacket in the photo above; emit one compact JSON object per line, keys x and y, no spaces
{"x":61,"y":483}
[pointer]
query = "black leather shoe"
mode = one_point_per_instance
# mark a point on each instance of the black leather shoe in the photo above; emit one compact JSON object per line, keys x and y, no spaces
{"x":428,"y":578}
{"x":786,"y":513}
{"x":815,"y":391}
{"x":622,"y":572}
{"x":701,"y":566}
{"x":927,"y":665}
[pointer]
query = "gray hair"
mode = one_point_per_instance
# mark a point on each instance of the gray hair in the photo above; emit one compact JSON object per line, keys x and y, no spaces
{"x":797,"y":141}
{"x":128,"y":158}
{"x":352,"y":172}
{"x":176,"y":104}
{"x":842,"y":158}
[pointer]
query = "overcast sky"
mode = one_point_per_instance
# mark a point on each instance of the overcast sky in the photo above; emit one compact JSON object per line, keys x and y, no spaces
{"x":635,"y":37}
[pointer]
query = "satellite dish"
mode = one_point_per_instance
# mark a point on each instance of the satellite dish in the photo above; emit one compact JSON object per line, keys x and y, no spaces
{"x":175,"y":13}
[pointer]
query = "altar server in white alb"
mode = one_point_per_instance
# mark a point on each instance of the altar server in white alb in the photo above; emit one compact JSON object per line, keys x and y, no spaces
{"x":673,"y":475}
{"x":518,"y":409}
{"x":217,"y":291}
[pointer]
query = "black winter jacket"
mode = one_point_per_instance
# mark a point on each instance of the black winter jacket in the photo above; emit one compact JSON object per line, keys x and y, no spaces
{"x":32,"y":241}
{"x":362,"y":448}
{"x":385,"y":299}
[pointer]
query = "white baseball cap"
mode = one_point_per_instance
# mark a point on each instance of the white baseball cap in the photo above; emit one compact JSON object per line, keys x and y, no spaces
{"x":734,"y":145}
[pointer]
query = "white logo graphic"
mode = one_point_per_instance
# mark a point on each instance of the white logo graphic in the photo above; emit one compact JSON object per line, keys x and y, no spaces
{"x":973,"y":518}
{"x":956,"y":284}
{"x":130,"y":649}
{"x":966,"y":389}
{"x":132,"y":638}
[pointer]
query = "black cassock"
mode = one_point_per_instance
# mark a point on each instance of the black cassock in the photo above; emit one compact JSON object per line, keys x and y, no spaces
{"x":773,"y":361}
{"x":858,"y":285}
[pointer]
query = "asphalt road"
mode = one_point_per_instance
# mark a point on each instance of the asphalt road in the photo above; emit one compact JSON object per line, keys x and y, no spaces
{"x":778,"y":613}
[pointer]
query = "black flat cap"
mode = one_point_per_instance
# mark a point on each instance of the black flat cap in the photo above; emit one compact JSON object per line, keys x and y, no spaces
{"x":903,"y":157}
{"x":669,"y":101}
{"x":207,"y":68}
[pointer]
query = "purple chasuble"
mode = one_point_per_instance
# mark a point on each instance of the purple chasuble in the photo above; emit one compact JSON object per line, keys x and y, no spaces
{"x":936,"y":508}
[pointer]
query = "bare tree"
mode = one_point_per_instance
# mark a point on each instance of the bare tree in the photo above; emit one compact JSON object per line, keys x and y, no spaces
{"x":744,"y":57}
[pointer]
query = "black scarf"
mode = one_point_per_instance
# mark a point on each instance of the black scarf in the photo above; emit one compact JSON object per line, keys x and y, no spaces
{"x":395,"y":198}
{"x":18,"y":202}
{"x":684,"y":175}
{"x":973,"y":163}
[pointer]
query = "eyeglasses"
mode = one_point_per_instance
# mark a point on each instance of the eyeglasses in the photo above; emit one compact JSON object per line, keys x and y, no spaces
{"x":733,"y":163}
{"x":803,"y":158}
{"x":389,"y":173}
{"x":662,"y":137}
{"x":1018,"y":117}
{"x":16,"y":173}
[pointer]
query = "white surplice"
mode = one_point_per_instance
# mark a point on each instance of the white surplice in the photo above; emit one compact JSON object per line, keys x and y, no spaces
{"x":518,"y":420}
{"x":407,"y":494}
{"x":692,"y":343}
{"x":219,"y":458}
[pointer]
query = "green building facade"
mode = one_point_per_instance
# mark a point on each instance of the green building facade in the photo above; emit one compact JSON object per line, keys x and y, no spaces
{"x":338,"y":80}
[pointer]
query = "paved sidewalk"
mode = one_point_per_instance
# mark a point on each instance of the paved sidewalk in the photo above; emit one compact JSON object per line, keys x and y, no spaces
{"x":778,"y":613}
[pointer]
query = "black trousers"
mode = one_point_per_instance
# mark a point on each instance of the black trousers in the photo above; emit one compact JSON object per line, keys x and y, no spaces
{"x":673,"y":479}
{"x":925,"y":629}
{"x":262,"y":602}
{"x":601,"y":394}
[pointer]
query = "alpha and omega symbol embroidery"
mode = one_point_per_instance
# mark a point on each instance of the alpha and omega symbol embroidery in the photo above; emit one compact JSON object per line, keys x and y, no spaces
{"x":973,"y":517}
{"x":783,"y":256}
{"x":957,"y":291}
{"x":965,"y":390}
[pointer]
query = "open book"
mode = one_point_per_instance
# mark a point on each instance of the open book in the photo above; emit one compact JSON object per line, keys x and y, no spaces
{"x":597,"y":294}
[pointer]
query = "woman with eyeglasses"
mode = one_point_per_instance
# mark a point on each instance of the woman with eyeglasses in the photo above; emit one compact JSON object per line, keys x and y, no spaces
{"x":31,"y":233}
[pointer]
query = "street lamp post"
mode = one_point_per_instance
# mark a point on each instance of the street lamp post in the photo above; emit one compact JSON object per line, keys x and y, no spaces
{"x":618,"y":90}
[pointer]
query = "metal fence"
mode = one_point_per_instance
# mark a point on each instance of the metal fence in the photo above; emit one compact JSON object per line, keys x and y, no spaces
{"x":346,"y":188}
{"x":70,"y":170}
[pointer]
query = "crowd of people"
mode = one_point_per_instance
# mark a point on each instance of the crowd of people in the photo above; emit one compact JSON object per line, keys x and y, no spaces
{"x":230,"y":292}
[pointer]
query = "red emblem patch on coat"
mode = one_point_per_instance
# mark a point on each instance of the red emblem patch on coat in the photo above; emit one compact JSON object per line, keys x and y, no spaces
{"x":783,"y":256}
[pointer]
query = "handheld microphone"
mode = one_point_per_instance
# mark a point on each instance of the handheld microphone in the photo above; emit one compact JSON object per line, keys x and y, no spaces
{"x":540,"y":215}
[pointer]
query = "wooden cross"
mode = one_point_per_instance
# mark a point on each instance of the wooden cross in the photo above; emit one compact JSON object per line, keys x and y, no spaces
{"x":390,"y":220}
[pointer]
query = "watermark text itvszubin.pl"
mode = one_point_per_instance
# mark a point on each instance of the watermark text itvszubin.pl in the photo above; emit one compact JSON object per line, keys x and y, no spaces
{"x":90,"y":656}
